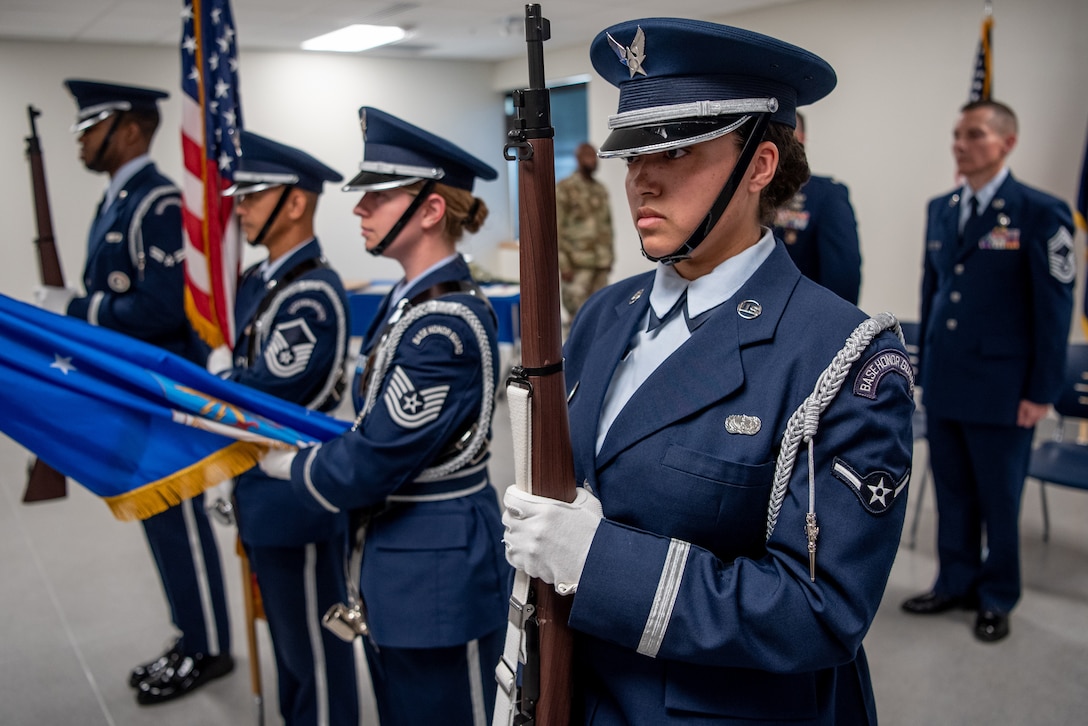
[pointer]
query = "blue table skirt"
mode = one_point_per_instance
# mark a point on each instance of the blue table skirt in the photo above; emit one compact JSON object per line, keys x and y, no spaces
{"x":505,"y":299}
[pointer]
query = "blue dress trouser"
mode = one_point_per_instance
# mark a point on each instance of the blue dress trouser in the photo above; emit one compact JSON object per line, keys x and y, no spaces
{"x":187,"y":557}
{"x":978,"y":474}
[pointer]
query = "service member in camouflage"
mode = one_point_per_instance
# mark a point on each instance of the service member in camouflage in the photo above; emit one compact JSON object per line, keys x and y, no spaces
{"x":585,"y":232}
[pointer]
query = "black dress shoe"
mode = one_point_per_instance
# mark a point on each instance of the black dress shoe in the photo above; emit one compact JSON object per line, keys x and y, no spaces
{"x":991,"y":626}
{"x":187,"y":674}
{"x":932,"y":603}
{"x":153,"y":668}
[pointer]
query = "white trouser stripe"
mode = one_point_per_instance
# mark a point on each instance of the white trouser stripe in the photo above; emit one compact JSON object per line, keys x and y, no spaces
{"x":475,"y":683}
{"x":196,"y":550}
{"x":667,"y":588}
{"x":313,"y":624}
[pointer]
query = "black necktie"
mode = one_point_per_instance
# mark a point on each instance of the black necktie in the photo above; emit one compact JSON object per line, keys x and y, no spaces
{"x":971,"y":217}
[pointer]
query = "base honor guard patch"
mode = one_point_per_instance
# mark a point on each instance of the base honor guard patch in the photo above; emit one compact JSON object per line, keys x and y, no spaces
{"x":879,"y":365}
{"x":876,"y":491}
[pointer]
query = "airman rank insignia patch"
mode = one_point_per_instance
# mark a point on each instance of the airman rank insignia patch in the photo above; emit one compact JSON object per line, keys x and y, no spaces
{"x":289,"y":348}
{"x":878,"y":366}
{"x":876,"y":492}
{"x":411,"y":408}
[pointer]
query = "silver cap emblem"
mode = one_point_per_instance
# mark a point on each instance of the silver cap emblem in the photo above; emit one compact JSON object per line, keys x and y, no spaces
{"x":631,"y":56}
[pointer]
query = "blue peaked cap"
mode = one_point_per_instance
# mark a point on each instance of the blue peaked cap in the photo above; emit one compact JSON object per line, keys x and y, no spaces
{"x":96,"y":100}
{"x":396,"y":153}
{"x":677,"y":75}
{"x":265,"y":163}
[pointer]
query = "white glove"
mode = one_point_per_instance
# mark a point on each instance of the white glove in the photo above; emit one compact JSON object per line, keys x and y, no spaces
{"x":277,"y":463}
{"x":52,"y":298}
{"x":549,"y":539}
{"x":220,"y":360}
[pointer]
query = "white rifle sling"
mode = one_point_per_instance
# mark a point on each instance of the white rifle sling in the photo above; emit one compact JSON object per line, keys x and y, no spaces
{"x":520,"y":397}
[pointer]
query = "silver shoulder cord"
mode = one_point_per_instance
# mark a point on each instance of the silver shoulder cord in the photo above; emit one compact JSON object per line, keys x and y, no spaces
{"x":805,"y":421}
{"x":384,"y":360}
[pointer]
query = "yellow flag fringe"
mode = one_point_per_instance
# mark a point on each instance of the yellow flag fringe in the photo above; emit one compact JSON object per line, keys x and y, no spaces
{"x":158,"y":496}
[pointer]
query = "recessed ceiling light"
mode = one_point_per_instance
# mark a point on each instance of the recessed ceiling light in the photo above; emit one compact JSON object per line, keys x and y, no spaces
{"x":355,"y":38}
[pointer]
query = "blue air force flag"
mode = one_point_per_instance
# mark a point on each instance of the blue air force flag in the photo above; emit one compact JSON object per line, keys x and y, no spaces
{"x":138,"y":426}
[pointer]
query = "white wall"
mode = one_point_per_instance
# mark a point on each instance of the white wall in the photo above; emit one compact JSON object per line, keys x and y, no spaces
{"x":904,"y":69}
{"x":303,"y":99}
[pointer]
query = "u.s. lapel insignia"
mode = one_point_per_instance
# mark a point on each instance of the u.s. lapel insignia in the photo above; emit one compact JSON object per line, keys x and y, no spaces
{"x":749,"y":309}
{"x":631,"y":56}
{"x":739,"y":423}
{"x":998,"y":203}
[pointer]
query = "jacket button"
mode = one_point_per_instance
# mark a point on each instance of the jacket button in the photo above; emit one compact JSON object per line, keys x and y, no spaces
{"x":951,"y":323}
{"x":958,"y":269}
{"x":955,"y":296}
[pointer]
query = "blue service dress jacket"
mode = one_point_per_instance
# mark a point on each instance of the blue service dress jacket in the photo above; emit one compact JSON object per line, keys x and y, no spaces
{"x":821,"y":234}
{"x":434,"y":573}
{"x":298,"y":345}
{"x":133,"y":274}
{"x":685,"y":613}
{"x":978,"y":359}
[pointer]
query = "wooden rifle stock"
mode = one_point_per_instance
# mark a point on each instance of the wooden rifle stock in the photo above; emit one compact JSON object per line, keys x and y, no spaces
{"x":44,"y":482}
{"x":552,"y":467}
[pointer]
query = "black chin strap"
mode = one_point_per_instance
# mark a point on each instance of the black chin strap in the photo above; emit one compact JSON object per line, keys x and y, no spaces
{"x":271,"y":217}
{"x":97,"y":160}
{"x":747,"y":152}
{"x":424,"y":192}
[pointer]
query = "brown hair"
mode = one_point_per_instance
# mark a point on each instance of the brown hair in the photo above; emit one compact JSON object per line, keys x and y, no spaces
{"x":463,"y":210}
{"x":792,"y":169}
{"x":1004,"y":117}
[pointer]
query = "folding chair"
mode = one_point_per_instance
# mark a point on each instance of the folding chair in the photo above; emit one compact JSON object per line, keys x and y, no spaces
{"x":1060,"y":460}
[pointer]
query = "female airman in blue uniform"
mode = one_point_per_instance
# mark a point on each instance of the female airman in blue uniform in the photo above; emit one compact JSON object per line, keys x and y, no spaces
{"x":742,"y":472}
{"x":433,"y":579}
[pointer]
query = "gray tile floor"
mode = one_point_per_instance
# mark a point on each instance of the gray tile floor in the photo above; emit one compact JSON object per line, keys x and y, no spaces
{"x":80,"y":604}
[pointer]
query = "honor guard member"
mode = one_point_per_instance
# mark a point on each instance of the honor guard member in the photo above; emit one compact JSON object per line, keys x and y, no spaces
{"x":134,"y":281}
{"x":821,"y":233}
{"x":291,"y":315}
{"x":711,"y":584}
{"x":997,"y":299}
{"x":431,"y":597}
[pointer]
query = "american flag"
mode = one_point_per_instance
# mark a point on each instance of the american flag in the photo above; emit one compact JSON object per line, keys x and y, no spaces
{"x":210,"y":127}
{"x":982,"y":83}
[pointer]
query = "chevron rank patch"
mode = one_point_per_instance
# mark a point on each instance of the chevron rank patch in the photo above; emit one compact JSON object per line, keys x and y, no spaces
{"x":879,"y":365}
{"x":411,"y":408}
{"x":1061,"y":257}
{"x":289,"y":348}
{"x":876,"y":491}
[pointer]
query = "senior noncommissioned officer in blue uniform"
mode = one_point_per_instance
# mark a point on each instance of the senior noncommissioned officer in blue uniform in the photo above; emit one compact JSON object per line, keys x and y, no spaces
{"x":292,"y":321}
{"x":710,"y":584}
{"x":414,"y":467}
{"x":821,"y":232}
{"x":134,"y":282}
{"x":997,"y":299}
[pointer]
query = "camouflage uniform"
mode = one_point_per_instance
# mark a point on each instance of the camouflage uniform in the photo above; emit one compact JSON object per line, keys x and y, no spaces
{"x":585,"y":238}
